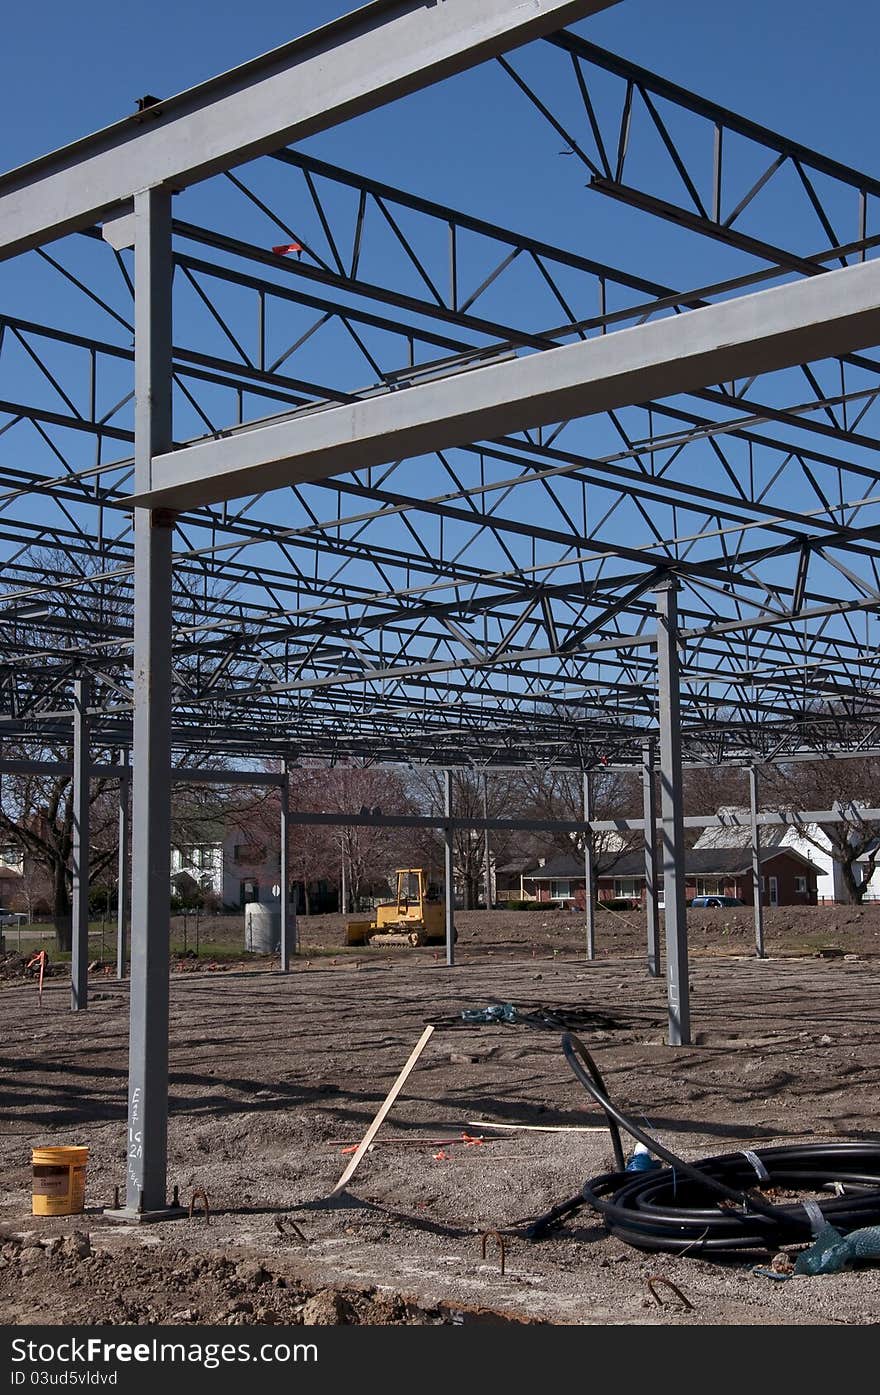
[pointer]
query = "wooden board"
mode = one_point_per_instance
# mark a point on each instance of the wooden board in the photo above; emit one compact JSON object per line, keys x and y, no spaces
{"x":385,"y":1106}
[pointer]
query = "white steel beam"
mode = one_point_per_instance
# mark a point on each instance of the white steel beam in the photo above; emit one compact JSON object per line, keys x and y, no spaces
{"x":380,"y":52}
{"x":769,"y":330}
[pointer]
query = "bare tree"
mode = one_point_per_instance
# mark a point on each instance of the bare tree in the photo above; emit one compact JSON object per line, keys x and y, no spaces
{"x":36,"y":816}
{"x":316,"y":851}
{"x":468,"y":843}
{"x":558,"y":794}
{"x":847,"y":784}
{"x":369,"y":850}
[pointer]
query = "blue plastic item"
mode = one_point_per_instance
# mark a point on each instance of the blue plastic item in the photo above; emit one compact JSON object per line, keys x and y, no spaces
{"x":641,"y":1160}
{"x":499,"y":1012}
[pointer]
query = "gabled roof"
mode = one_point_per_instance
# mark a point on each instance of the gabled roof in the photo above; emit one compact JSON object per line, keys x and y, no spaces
{"x":738,"y":833}
{"x":559,"y":868}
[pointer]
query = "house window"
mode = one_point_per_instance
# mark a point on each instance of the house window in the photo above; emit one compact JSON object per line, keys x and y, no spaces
{"x":560,"y":891}
{"x":800,"y":885}
{"x":249,"y":852}
{"x":200,"y":857}
{"x":627,"y":888}
{"x":710,"y":886}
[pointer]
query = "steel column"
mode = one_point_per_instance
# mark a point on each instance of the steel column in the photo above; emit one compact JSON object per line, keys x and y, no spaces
{"x":288,"y":939}
{"x":79,"y":959}
{"x":589,"y":868}
{"x":124,"y":869}
{"x":487,"y":864}
{"x":151,"y":794}
{"x":448,"y":888}
{"x":671,"y":815}
{"x":757,"y":878}
{"x":652,"y":913}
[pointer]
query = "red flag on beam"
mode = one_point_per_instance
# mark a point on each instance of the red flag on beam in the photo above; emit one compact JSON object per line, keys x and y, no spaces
{"x":285,"y":247}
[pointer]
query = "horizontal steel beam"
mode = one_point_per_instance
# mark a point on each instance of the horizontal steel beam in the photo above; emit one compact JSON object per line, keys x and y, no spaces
{"x":380,"y":52}
{"x":180,"y":773}
{"x":774,"y":819}
{"x":753,"y":334}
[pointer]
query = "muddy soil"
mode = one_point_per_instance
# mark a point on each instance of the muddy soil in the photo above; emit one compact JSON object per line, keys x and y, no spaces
{"x":274,"y":1078}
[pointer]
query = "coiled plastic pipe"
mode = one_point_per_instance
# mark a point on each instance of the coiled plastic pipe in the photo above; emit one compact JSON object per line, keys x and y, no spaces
{"x":715,"y":1206}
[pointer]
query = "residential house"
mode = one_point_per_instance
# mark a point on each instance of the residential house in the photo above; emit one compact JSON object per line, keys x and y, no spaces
{"x":789,"y":878}
{"x":814,"y":844}
{"x":11,"y":873}
{"x":232,"y":866}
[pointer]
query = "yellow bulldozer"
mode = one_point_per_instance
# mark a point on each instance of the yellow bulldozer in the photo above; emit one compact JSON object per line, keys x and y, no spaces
{"x":415,"y":917}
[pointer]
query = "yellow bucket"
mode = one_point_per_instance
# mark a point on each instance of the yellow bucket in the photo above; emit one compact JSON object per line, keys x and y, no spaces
{"x":59,"y":1187}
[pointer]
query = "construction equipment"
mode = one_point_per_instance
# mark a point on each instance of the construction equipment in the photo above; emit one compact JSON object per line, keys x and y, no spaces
{"x":415,"y":917}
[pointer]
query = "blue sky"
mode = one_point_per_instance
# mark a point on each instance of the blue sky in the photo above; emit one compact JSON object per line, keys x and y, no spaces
{"x":474,"y":142}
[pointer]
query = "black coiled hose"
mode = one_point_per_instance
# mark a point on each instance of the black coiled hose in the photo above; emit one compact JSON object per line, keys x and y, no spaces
{"x":714,"y":1207}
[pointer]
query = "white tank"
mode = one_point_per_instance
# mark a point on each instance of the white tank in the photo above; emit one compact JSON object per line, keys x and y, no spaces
{"x":262,"y":928}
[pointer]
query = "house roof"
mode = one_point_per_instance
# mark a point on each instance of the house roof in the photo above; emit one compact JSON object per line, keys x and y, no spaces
{"x":562,"y":866}
{"x":697,"y":862}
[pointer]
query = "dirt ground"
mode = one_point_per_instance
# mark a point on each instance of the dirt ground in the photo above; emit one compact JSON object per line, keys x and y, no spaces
{"x":274,"y":1077}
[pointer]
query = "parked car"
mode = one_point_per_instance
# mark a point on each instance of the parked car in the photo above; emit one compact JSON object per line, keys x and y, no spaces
{"x":701,"y":902}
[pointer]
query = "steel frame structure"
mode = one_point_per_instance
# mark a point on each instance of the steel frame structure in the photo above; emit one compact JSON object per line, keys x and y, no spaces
{"x":691,"y":575}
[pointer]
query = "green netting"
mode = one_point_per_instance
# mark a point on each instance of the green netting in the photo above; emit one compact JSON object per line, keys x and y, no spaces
{"x":832,"y":1252}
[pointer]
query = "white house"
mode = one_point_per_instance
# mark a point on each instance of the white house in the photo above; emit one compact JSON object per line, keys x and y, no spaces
{"x":233,"y":866}
{"x":830,"y":886}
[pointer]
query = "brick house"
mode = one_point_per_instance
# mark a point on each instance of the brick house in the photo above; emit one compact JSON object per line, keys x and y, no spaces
{"x":789,"y":877}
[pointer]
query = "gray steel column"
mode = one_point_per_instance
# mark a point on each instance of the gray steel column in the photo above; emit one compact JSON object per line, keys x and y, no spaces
{"x":757,"y":879}
{"x":288,"y":939}
{"x":589,"y":869}
{"x":151,"y":792}
{"x":651,"y":883}
{"x":487,"y":863}
{"x":122,"y":892}
{"x":449,"y":889}
{"x":672,"y":816}
{"x":79,"y":959}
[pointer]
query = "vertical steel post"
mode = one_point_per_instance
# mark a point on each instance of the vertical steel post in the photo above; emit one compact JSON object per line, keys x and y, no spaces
{"x":79,"y":959}
{"x":757,"y":879}
{"x":151,"y":792}
{"x":122,"y":892}
{"x":672,"y":815}
{"x":589,"y":868}
{"x":449,"y":889}
{"x":487,"y":864}
{"x":652,"y":914}
{"x":288,"y":939}
{"x":343,"y":886}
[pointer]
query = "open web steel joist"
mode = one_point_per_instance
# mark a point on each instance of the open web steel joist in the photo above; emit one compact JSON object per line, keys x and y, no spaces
{"x":487,"y":602}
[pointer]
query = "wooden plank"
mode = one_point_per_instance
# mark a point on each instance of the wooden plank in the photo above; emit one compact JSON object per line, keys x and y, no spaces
{"x":384,"y":1108}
